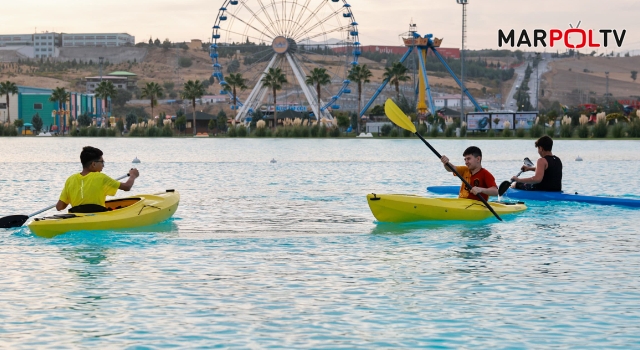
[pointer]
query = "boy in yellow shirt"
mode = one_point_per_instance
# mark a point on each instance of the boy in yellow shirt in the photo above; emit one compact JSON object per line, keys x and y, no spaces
{"x":91,"y":186}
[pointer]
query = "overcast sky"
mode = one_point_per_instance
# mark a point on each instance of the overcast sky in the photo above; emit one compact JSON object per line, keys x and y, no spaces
{"x":380,"y":21}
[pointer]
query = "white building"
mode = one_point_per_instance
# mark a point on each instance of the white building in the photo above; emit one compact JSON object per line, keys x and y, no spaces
{"x":16,"y":40}
{"x":97,"y":40}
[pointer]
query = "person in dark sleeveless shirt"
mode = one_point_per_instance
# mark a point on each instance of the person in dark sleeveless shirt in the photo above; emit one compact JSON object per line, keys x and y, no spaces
{"x":548,"y":170}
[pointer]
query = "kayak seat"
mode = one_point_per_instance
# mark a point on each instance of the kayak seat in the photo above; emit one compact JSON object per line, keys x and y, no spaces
{"x":88,"y":208}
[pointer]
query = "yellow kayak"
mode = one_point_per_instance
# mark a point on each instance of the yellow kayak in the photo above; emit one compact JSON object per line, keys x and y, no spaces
{"x":407,"y":208}
{"x":135,"y":211}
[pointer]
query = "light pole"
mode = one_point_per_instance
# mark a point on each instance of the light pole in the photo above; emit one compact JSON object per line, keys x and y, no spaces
{"x":464,"y":34}
{"x":607,"y":93}
{"x":101,"y":59}
{"x":537,"y":80}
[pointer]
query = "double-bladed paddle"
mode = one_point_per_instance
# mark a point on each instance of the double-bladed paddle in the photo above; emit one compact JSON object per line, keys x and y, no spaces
{"x":18,"y":220}
{"x":504,"y":186}
{"x":398,"y":117}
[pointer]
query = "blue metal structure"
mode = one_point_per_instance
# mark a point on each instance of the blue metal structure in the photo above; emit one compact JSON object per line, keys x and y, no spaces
{"x":421,"y":45}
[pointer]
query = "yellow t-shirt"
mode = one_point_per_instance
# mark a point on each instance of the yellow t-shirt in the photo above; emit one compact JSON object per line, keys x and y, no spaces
{"x":463,"y":170}
{"x":92,"y":188}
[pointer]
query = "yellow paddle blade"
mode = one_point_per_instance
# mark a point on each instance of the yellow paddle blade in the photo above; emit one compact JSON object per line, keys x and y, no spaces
{"x":398,"y":117}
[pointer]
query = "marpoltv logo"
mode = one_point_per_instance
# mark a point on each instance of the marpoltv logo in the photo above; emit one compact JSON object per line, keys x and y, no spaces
{"x":585,"y":38}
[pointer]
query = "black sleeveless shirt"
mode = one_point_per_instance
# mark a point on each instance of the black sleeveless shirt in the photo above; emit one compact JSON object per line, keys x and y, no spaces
{"x":552,"y":179}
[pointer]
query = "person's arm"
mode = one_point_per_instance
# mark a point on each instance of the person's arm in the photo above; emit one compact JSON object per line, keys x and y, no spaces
{"x":133,"y":175}
{"x":444,"y":161}
{"x":491,"y":191}
{"x":61,"y":205}
{"x":540,"y":167}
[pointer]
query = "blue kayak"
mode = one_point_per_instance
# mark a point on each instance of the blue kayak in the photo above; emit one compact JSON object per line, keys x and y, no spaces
{"x":548,"y":196}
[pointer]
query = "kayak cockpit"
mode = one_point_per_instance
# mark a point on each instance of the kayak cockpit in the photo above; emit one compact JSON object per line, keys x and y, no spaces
{"x":116,"y":204}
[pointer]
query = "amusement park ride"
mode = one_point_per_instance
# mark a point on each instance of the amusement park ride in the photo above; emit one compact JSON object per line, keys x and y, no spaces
{"x":298,"y":36}
{"x":420,"y":45}
{"x":295,"y":36}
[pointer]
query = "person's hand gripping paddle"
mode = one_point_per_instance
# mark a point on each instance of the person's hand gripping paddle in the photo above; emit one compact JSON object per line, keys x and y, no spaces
{"x":394,"y":113}
{"x":504,"y":186}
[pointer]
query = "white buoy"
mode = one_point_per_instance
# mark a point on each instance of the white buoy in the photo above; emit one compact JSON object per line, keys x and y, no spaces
{"x":273,"y":160}
{"x":578,"y":159}
{"x":136,"y":160}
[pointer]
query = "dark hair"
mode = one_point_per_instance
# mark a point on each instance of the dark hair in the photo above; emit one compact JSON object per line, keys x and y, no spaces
{"x":545,"y":142}
{"x":89,"y":154}
{"x":473,"y":150}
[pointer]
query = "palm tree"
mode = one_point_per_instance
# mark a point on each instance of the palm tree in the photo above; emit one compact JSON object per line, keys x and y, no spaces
{"x":60,"y":96}
{"x":235,"y":81}
{"x":153,"y":91}
{"x":8,"y":88}
{"x":318,"y":77}
{"x":106,"y":90}
{"x":192,"y":91}
{"x":395,"y":74}
{"x":274,"y":78}
{"x":359,"y":74}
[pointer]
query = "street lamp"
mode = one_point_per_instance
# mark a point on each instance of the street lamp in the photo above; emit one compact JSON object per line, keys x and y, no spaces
{"x":537,"y":81}
{"x":464,"y":34}
{"x":101,"y":59}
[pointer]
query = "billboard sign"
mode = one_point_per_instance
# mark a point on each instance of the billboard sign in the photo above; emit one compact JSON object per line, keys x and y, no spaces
{"x":525,"y":120}
{"x":498,"y":120}
{"x":478,"y":121}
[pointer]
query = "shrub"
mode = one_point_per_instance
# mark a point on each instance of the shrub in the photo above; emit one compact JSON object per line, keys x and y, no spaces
{"x":583,"y":131}
{"x":92,"y":131}
{"x":153,"y":131}
{"x":120,"y":125}
{"x":507,"y":133}
{"x":385,"y":130}
{"x":450,"y":131}
{"x":617,"y":131}
{"x":8,"y":131}
{"x":323,"y":131}
{"x":434,"y":131}
{"x":242,"y":131}
{"x":314,"y":130}
{"x":520,"y":132}
{"x":83,"y":131}
{"x":334,"y":132}
{"x":422,"y":129}
{"x":463,"y":131}
{"x":111,"y":132}
{"x":394,"y":132}
{"x":491,"y":133}
{"x":551,"y":131}
{"x":185,"y":62}
{"x":536,"y":131}
{"x":232,"y":132}
{"x":304,"y":132}
{"x":166,"y":131}
{"x":102,"y":132}
{"x":260,"y":132}
{"x":565,"y":131}
{"x":406,"y":133}
{"x":600,"y":130}
{"x":634,"y":128}
{"x":135,"y":132}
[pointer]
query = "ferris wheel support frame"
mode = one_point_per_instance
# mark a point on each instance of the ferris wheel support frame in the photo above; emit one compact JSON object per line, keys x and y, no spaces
{"x":313,"y":102}
{"x":255,"y":92}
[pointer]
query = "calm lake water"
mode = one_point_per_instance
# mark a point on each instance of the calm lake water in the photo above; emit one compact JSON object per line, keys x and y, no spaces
{"x":288,"y":254}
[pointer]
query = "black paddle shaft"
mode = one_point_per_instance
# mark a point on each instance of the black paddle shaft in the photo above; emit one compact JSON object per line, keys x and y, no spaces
{"x":453,"y":169}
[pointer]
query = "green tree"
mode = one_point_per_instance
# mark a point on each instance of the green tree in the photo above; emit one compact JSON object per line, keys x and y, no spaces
{"x":221,"y":122}
{"x":193,"y":90}
{"x":84,"y":119}
{"x":360,"y":74}
{"x":181,"y":122}
{"x":106,"y":91}
{"x":166,"y":44}
{"x":19,"y":123}
{"x":131,"y":118}
{"x":395,"y":74}
{"x":150,"y":41}
{"x":343,"y":121}
{"x":634,"y":74}
{"x":37,"y":123}
{"x":274,"y":79}
{"x":8,"y":88}
{"x":157,"y":42}
{"x":318,"y":77}
{"x":60,"y":96}
{"x":233,"y":82}
{"x":152,"y":91}
{"x":122,"y":98}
